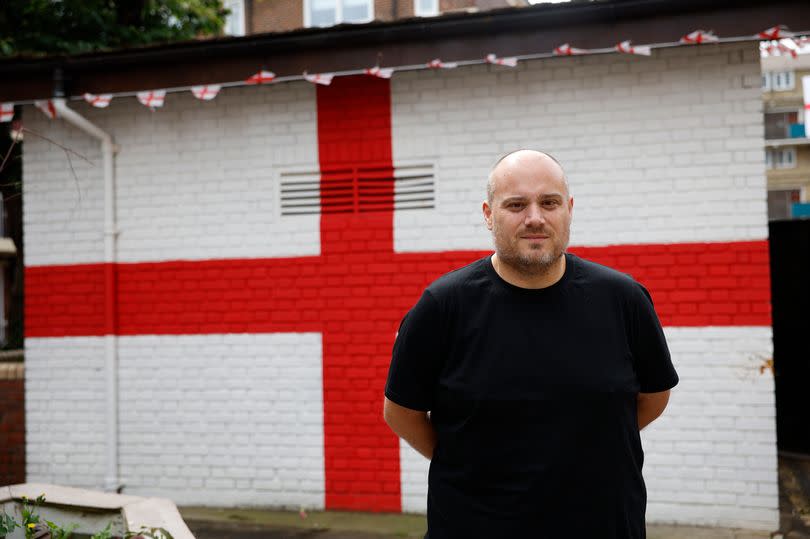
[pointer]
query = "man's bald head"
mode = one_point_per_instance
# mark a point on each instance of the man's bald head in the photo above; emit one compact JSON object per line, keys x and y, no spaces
{"x":516,"y":158}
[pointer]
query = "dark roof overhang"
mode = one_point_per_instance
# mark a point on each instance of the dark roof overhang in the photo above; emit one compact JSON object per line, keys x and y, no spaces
{"x":506,"y":32}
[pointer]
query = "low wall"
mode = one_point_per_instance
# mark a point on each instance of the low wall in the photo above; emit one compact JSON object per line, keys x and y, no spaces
{"x":12,"y":423}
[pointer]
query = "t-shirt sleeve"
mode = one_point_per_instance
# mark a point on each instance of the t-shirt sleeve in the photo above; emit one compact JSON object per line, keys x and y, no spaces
{"x":651,"y":356}
{"x":416,"y":358}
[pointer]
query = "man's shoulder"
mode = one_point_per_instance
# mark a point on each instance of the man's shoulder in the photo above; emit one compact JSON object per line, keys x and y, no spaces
{"x":465,"y":278}
{"x":599,"y":274}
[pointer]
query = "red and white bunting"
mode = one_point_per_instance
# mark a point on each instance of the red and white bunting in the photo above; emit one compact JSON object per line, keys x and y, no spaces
{"x":152,"y":99}
{"x":47,"y":108}
{"x":324,"y":79}
{"x":6,"y":112}
{"x":776,"y":32}
{"x":262,"y":77}
{"x":436,"y":63}
{"x":380,"y":72}
{"x":699,"y":36}
{"x":100,"y":101}
{"x":776,"y":48}
{"x":510,"y":61}
{"x":567,"y":50}
{"x":206,"y":93}
{"x":626,"y":48}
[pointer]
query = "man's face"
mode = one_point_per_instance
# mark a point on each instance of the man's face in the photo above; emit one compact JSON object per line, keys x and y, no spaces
{"x":530,"y":213}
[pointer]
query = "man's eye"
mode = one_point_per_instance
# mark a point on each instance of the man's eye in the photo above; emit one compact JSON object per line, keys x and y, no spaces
{"x":551,"y":203}
{"x":514,"y":206}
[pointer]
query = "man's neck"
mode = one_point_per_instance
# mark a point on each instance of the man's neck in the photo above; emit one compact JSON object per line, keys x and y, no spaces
{"x":515,"y":276}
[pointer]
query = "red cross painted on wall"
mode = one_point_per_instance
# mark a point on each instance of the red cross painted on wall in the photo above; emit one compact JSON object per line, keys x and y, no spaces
{"x":356,"y":291}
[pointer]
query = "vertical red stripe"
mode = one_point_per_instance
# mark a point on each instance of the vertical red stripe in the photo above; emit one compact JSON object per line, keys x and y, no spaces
{"x":354,"y":138}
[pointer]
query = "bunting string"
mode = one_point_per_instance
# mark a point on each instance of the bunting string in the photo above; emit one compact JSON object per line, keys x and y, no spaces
{"x":774,"y":42}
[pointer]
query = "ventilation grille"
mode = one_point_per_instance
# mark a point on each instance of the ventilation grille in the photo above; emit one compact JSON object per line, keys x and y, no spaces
{"x":357,"y":190}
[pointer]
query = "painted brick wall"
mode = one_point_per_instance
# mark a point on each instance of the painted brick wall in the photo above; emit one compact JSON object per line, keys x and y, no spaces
{"x":222,"y":300}
{"x":12,"y":424}
{"x":239,"y":415}
{"x":657,"y":150}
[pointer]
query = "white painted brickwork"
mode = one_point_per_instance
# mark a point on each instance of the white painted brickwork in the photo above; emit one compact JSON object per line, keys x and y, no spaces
{"x":64,"y":411}
{"x":205,"y":419}
{"x":195,"y":180}
{"x":657,"y":150}
{"x":711,"y":458}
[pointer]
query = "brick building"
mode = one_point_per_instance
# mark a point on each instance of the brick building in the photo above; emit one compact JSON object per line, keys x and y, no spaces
{"x":267,"y":243}
{"x":259,"y":16}
{"x":787,"y":146}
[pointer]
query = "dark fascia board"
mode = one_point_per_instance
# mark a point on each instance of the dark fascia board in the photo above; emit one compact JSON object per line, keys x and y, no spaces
{"x":509,"y":31}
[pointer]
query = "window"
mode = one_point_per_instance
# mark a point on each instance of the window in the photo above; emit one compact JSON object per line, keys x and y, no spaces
{"x":778,"y":124}
{"x":782,"y":81}
{"x":426,"y":8}
{"x":331,"y":12}
{"x":766,"y":82}
{"x":235,"y":23}
{"x":780,"y":158}
{"x":780,"y":203}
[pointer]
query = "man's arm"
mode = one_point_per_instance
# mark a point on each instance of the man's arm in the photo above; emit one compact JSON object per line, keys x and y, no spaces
{"x":650,"y":406}
{"x":413,"y":426}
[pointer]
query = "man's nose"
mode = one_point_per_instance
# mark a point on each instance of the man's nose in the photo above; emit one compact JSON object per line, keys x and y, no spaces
{"x":534,"y":215}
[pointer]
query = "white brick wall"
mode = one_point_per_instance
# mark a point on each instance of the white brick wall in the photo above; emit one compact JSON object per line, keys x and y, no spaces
{"x":204,"y":419}
{"x":711,"y":458}
{"x":195,"y":180}
{"x":64,"y":411}
{"x":658,"y":150}
{"x":661,"y":149}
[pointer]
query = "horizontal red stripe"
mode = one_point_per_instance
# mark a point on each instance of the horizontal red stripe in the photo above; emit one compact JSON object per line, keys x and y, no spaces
{"x":694,"y":284}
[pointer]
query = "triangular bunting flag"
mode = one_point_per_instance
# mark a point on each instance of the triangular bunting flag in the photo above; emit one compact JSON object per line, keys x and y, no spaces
{"x":567,"y":50}
{"x":46,"y":106}
{"x":775,"y":32}
{"x":699,"y":36}
{"x":6,"y":112}
{"x":626,"y":48}
{"x":324,"y":79}
{"x":100,"y":101}
{"x":206,"y":93}
{"x":152,"y":99}
{"x":507,"y":61}
{"x":380,"y":72}
{"x":438,"y":64}
{"x":261,"y":77}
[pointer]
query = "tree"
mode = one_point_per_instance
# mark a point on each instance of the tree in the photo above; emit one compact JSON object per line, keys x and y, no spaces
{"x":47,"y":27}
{"x":60,"y":27}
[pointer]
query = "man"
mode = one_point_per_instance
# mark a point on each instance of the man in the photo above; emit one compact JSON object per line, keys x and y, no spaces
{"x":526,"y":376}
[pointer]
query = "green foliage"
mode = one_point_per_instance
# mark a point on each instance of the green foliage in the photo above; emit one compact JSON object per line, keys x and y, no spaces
{"x":149,"y":533}
{"x":30,"y":516}
{"x":37,"y":27}
{"x":31,"y":524}
{"x":104,"y":534}
{"x":58,"y":532}
{"x":7,"y":524}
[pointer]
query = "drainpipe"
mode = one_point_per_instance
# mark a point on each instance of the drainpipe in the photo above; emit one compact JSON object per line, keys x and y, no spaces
{"x":108,"y":150}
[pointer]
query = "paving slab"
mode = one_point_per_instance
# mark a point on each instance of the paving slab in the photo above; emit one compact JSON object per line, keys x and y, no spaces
{"x":221,"y":523}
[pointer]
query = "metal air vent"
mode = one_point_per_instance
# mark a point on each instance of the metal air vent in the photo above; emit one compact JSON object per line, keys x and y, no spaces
{"x":357,"y":190}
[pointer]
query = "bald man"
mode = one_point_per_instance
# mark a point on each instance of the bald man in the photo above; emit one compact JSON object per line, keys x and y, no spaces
{"x":526,"y":376}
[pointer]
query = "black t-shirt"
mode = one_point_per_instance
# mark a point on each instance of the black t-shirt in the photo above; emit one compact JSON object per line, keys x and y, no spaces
{"x":533,"y":396}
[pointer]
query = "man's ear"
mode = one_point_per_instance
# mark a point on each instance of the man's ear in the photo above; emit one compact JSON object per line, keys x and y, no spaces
{"x":487,"y":214}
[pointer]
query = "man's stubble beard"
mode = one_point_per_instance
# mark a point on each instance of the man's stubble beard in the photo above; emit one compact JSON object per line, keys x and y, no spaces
{"x":510,"y":254}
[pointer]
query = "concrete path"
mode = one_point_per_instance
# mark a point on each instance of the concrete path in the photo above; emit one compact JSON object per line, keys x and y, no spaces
{"x":208,"y":523}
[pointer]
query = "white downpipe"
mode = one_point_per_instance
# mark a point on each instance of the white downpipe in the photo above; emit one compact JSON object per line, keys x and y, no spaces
{"x":111,"y":479}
